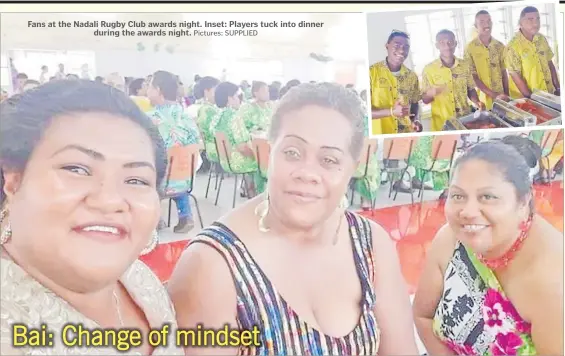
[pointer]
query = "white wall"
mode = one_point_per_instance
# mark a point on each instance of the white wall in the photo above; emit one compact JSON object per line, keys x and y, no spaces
{"x":379,"y":27}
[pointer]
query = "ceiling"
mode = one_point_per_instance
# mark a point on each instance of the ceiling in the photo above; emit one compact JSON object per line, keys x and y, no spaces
{"x":342,"y":36}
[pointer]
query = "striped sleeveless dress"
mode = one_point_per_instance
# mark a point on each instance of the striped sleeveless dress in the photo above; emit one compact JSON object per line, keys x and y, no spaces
{"x":282,"y":331}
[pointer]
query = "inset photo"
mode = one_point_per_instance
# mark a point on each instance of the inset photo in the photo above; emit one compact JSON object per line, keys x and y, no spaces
{"x":482,"y":66}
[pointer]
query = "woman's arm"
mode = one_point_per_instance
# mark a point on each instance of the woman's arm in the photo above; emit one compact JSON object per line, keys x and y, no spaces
{"x":429,"y":292}
{"x":547,"y":317}
{"x":392,"y":308}
{"x":203,"y":293}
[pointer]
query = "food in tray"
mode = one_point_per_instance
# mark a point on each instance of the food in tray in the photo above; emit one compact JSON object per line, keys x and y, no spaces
{"x":538,"y":112}
{"x":480,"y":124}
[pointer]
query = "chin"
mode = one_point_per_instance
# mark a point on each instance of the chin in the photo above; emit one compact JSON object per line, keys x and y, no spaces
{"x":479,"y":243}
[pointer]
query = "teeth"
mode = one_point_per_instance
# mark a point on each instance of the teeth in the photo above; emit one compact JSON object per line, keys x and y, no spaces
{"x":474,"y":227}
{"x":108,"y":229}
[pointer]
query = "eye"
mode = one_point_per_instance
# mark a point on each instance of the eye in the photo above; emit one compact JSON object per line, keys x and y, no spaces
{"x":136,"y":181}
{"x":77,"y":169}
{"x":456,"y":196}
{"x":292,"y":153}
{"x":330,"y":160}
{"x":488,"y":197}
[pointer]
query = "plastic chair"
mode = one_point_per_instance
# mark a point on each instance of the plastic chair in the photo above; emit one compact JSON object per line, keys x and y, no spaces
{"x":398,"y":149}
{"x":443,"y":148}
{"x":225,"y":151}
{"x":182,"y":166}
{"x":262,"y":151}
{"x":370,"y":146}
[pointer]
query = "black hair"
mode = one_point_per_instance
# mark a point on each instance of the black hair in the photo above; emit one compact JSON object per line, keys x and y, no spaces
{"x":445,"y":32}
{"x":273,"y":92}
{"x":482,"y":12}
{"x":292,"y":83}
{"x":276,"y":84}
{"x":528,"y":10}
{"x":397,"y":33}
{"x":167,"y":83}
{"x":135,"y":86}
{"x":205,"y":83}
{"x":72,"y":76}
{"x":507,"y":159}
{"x":197,"y":78}
{"x":530,"y":150}
{"x":24,"y":119}
{"x":99,"y":79}
{"x":326,"y":95}
{"x":256,"y":86}
{"x":21,"y":76}
{"x":44,"y":67}
{"x":223,"y":92}
{"x":32,"y":82}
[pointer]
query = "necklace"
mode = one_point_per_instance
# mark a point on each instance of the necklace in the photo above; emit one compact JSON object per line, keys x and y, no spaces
{"x":508,"y":256}
{"x":118,"y":308}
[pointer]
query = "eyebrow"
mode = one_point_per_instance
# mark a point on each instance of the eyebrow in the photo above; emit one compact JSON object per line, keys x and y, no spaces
{"x":324,"y":147}
{"x":100,"y":157}
{"x":481,"y":188}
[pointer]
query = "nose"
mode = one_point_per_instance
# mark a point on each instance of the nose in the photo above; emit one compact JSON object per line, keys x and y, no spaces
{"x":306,"y":173}
{"x":107,"y":198}
{"x":470,"y":210}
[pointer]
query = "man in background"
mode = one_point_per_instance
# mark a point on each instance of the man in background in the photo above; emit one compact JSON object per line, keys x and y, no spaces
{"x":394,"y":89}
{"x":21,"y":79}
{"x":529,"y":59}
{"x":61,"y":72}
{"x":485,"y":57}
{"x":448,"y":84}
{"x":177,"y":129}
{"x":43,"y":77}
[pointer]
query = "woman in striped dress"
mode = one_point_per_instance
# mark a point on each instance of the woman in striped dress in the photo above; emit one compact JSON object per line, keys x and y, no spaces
{"x":310,"y":276}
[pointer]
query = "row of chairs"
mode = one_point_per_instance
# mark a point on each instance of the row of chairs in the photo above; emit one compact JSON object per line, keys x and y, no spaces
{"x":183,"y":162}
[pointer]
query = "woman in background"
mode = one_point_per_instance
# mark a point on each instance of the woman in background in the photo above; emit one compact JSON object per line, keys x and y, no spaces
{"x":83,"y":163}
{"x":493,"y":282}
{"x":207,"y":110}
{"x":313,"y":277}
{"x":138,"y":93}
{"x":256,"y":114}
{"x":228,"y":99}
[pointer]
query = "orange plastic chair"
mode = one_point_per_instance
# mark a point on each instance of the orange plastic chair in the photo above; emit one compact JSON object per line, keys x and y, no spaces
{"x":443,"y":148}
{"x":182,"y":166}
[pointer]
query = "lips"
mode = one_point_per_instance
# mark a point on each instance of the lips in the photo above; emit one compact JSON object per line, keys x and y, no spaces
{"x":473,"y":228}
{"x":102,"y":231}
{"x":303,"y":197}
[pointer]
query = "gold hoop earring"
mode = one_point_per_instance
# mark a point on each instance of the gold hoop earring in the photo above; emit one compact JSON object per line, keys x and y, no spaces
{"x":152,"y":244}
{"x":261,"y":211}
{"x":7,"y":230}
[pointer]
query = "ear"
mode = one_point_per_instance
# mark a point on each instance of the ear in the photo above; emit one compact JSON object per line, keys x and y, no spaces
{"x":11,"y":181}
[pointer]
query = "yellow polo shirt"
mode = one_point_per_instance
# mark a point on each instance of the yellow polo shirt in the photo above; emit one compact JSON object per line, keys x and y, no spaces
{"x":453,"y":102}
{"x":487,"y":62}
{"x":142,"y":102}
{"x":386,"y":88}
{"x":530,"y":59}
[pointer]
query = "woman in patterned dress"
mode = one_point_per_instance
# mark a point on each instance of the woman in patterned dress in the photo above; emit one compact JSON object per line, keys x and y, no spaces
{"x":204,"y":91}
{"x":242,"y":160}
{"x":492,"y":285}
{"x":312,"y":277}
{"x":368,"y":186}
{"x":80,"y":170}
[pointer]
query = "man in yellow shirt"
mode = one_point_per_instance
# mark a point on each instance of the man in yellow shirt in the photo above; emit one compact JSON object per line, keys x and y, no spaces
{"x":485,"y":57}
{"x":394,"y":89}
{"x":529,"y":58}
{"x":447,"y":83}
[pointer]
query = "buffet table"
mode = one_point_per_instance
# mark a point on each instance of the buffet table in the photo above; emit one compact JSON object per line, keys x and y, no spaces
{"x":541,"y":109}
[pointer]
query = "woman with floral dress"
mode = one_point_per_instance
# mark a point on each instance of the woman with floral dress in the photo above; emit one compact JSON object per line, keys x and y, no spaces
{"x":492,"y":284}
{"x":241,"y":161}
{"x":368,"y":186}
{"x":204,"y":91}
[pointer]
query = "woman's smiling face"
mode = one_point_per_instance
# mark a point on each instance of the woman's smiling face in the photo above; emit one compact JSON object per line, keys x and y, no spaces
{"x":87,"y":202}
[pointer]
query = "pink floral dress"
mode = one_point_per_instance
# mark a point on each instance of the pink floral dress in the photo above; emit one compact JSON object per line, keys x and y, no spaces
{"x":474,"y":317}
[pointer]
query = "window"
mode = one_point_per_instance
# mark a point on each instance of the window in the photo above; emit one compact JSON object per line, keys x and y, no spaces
{"x":29,"y":61}
{"x":500,"y":29}
{"x":423,"y":29}
{"x":5,"y":75}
